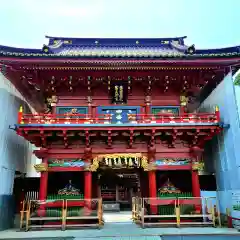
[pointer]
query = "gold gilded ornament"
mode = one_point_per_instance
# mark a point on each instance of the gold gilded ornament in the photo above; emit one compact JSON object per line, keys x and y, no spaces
{"x":119,"y":161}
{"x":121,"y":93}
{"x":116,"y":94}
{"x":130,"y":162}
{"x":42,"y":167}
{"x":140,"y":159}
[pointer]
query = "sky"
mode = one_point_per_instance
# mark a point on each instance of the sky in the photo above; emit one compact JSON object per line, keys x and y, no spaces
{"x":206,"y":23}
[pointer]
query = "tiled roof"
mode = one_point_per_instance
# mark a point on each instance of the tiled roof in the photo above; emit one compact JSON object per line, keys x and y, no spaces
{"x":117,"y":48}
{"x":119,"y":52}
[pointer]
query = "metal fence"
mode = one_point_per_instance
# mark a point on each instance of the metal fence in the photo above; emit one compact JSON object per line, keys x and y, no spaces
{"x":185,"y":211}
{"x":61,"y":213}
{"x":198,"y":211}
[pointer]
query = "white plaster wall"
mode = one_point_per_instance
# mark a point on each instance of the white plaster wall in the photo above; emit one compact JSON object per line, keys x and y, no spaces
{"x":15,"y":152}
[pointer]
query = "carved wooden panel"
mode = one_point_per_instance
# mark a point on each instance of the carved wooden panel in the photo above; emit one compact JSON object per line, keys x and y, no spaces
{"x":165,"y":110}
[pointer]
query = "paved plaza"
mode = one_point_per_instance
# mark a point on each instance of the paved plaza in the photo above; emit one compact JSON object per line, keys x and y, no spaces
{"x":119,"y":226}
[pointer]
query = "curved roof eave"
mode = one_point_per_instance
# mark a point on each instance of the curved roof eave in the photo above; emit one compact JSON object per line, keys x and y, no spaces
{"x":124,"y":61}
{"x":137,"y":52}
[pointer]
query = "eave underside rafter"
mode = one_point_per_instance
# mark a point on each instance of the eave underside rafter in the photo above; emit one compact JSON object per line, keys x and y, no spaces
{"x":70,"y":137}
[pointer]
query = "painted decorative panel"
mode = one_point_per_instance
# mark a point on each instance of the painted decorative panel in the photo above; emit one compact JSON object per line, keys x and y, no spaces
{"x":172,"y":162}
{"x":164,"y":110}
{"x":71,"y":110}
{"x":120,"y":114}
{"x":66,"y":163}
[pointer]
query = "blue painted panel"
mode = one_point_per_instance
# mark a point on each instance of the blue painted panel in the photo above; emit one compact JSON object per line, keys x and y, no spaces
{"x":165,"y":109}
{"x":119,"y":113}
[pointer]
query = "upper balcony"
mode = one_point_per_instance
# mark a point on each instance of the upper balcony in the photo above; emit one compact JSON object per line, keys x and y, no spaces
{"x":67,"y":129}
{"x":108,"y":121}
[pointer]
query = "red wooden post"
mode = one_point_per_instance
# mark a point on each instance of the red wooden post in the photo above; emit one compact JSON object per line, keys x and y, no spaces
{"x":43,"y":183}
{"x":87,"y":191}
{"x":93,"y":111}
{"x":89,"y":111}
{"x":229,"y":221}
{"x":195,"y":184}
{"x":182,"y":110}
{"x":217,"y":113}
{"x":229,"y":218}
{"x":142,"y":114}
{"x":20,"y":115}
{"x":87,"y":185}
{"x":43,"y":190}
{"x":152,"y":190}
{"x":196,"y":189}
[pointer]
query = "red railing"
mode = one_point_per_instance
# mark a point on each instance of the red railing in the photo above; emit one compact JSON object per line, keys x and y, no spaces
{"x":107,"y":118}
{"x":64,"y":119}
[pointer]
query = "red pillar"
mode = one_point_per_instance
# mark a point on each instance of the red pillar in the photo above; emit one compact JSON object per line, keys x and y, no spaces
{"x":87,"y":185}
{"x":89,"y":110}
{"x":94,"y":111}
{"x":182,"y":110}
{"x":147,"y":109}
{"x":196,"y":190}
{"x":43,"y":190}
{"x":87,"y":192}
{"x":43,"y":183}
{"x":152,"y":190}
{"x":195,"y":184}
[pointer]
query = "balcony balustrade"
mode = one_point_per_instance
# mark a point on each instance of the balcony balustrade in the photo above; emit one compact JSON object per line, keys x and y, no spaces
{"x":191,"y":118}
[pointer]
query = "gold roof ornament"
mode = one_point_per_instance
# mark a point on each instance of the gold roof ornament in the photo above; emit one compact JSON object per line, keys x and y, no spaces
{"x":199,"y":166}
{"x":20,"y":109}
{"x":42,"y":167}
{"x":183,"y":100}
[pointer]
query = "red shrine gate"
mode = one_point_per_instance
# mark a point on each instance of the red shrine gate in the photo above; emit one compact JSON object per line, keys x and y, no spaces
{"x":116,"y":119}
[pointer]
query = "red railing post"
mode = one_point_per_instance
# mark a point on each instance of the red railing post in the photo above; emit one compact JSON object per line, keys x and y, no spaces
{"x":229,"y":218}
{"x":217,"y":113}
{"x":20,"y":115}
{"x":104,"y":118}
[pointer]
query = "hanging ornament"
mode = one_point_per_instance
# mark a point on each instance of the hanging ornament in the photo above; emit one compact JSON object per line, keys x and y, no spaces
{"x":121,"y":93}
{"x":130,"y":162}
{"x":116,"y":94}
{"x":109,"y":83}
{"x":119,"y":161}
{"x":115,"y":161}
